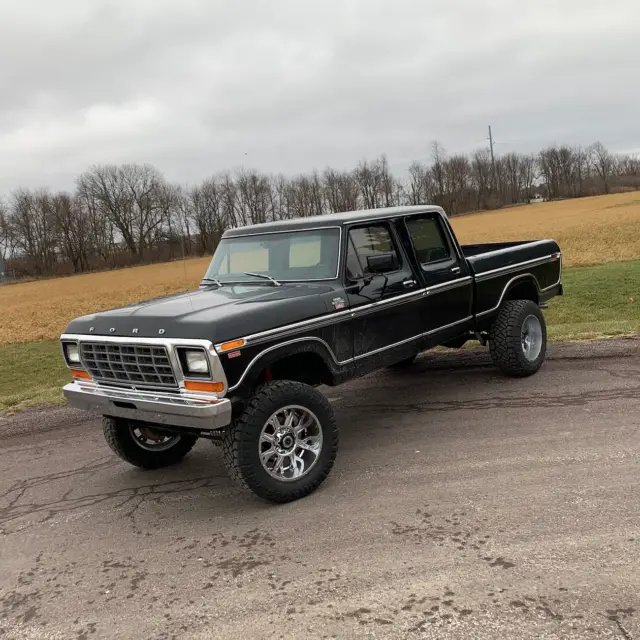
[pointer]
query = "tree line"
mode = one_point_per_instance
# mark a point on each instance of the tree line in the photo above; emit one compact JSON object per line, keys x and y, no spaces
{"x":119,"y":215}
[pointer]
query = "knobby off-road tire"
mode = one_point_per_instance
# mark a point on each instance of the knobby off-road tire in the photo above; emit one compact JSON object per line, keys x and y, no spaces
{"x":120,"y":436}
{"x":518,"y":338}
{"x":244,"y":441}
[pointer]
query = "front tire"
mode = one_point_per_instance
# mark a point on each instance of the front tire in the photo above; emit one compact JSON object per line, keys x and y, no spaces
{"x":139,"y":445}
{"x":518,"y":338}
{"x":284,"y":444}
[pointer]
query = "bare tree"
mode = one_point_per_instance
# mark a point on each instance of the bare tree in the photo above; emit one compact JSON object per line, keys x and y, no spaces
{"x":378,"y":187}
{"x":121,"y":214}
{"x":101,"y":230}
{"x":182,"y":217}
{"x":629,"y":166}
{"x":457,"y":172}
{"x":212,"y":206}
{"x":367,"y":177}
{"x":421,"y":186}
{"x":7,"y":244}
{"x":438,"y":156}
{"x":306,"y":196}
{"x":253,"y":197}
{"x":128,"y":195}
{"x":73,"y":229}
{"x":389,"y":185}
{"x":528,"y":174}
{"x":604,"y":164}
{"x":33,"y":227}
{"x":341,"y":190}
{"x":481,"y":177}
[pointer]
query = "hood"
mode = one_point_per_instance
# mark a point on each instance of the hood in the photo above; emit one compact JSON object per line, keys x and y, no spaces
{"x":212,"y":313}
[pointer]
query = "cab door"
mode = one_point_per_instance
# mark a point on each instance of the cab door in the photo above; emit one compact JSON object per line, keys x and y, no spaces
{"x":446,"y":308}
{"x":384,"y":295}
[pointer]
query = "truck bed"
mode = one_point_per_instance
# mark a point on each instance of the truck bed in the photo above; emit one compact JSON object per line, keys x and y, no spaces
{"x":502,"y":267}
{"x":472,"y":250}
{"x":503,"y":255}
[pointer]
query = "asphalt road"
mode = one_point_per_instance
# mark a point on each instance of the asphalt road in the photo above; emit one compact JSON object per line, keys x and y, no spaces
{"x":462,"y":505}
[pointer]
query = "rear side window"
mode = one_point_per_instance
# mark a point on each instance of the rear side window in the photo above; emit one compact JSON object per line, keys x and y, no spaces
{"x":428,"y":240}
{"x":369,"y":241}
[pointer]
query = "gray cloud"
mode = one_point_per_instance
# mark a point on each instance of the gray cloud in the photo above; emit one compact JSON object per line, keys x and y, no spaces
{"x":197,"y":86}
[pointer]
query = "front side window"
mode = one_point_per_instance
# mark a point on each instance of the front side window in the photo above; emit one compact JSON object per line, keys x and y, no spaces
{"x":365,"y":242}
{"x":286,"y":256}
{"x":428,"y":240}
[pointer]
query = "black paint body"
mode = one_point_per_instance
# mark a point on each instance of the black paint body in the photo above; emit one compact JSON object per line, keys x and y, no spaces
{"x":384,"y":320}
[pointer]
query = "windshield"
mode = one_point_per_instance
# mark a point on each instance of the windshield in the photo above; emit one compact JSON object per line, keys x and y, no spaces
{"x":286,"y":256}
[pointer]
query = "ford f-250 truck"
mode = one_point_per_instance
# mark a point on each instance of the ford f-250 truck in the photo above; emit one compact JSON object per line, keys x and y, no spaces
{"x":286,"y":307}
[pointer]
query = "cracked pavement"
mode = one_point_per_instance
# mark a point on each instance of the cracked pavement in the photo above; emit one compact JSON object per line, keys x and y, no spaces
{"x":462,"y":505}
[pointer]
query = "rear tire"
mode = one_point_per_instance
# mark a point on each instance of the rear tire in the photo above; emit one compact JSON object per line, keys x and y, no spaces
{"x":518,"y":338}
{"x":126,"y":440}
{"x":269,"y":451}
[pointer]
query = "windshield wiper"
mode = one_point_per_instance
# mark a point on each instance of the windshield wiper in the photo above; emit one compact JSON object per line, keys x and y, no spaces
{"x":263,"y":275}
{"x":214,"y":280}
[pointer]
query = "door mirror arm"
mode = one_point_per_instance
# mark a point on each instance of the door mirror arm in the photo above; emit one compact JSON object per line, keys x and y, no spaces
{"x":384,"y":287}
{"x":358,"y":284}
{"x":356,"y":287}
{"x":363,"y":282}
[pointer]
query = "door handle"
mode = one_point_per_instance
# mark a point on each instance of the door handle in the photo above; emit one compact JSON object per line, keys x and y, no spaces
{"x":408,"y":283}
{"x":455,"y":270}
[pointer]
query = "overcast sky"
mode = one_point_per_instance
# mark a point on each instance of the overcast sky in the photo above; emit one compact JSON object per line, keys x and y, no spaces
{"x":197,"y":86}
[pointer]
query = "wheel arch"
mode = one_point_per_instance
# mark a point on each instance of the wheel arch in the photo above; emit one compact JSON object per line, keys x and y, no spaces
{"x":309,"y":360}
{"x":523,"y":288}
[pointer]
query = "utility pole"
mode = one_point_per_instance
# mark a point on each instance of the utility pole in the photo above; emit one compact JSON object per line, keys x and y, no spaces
{"x":493,"y":159}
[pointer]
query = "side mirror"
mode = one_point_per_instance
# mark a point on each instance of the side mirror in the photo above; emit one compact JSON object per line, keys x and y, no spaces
{"x":382,"y":263}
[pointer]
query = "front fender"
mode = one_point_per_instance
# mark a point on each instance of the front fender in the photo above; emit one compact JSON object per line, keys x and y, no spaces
{"x":265,"y":355}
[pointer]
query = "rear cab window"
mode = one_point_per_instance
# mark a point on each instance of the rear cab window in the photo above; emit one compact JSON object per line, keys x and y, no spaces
{"x":430,"y":243}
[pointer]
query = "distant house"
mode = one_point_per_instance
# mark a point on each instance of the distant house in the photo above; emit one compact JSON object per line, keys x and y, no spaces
{"x":537,"y":197}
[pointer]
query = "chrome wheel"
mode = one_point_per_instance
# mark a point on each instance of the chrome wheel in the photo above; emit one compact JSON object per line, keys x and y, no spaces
{"x":290,"y":443}
{"x":531,"y":338}
{"x":151,"y":440}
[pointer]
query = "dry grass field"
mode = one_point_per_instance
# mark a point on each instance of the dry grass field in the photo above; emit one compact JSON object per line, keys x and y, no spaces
{"x":39,"y":310}
{"x":589,"y":230}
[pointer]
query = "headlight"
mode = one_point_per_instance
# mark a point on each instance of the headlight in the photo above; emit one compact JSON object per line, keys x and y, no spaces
{"x":72,"y":352}
{"x":196,"y":361}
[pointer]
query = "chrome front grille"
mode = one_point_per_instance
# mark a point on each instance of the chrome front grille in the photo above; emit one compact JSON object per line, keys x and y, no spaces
{"x":134,"y":364}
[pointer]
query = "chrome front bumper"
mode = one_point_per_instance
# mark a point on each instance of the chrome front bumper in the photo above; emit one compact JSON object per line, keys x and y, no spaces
{"x":198,"y":411}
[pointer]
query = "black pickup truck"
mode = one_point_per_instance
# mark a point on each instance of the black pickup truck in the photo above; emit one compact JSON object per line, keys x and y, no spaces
{"x":286,"y":307}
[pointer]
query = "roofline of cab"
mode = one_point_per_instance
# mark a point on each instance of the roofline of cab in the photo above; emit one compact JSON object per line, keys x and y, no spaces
{"x":332,"y":220}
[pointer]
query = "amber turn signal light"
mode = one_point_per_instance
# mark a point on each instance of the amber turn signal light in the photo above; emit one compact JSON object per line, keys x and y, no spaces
{"x":79,"y":374}
{"x":211,"y":387}
{"x":234,"y":344}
